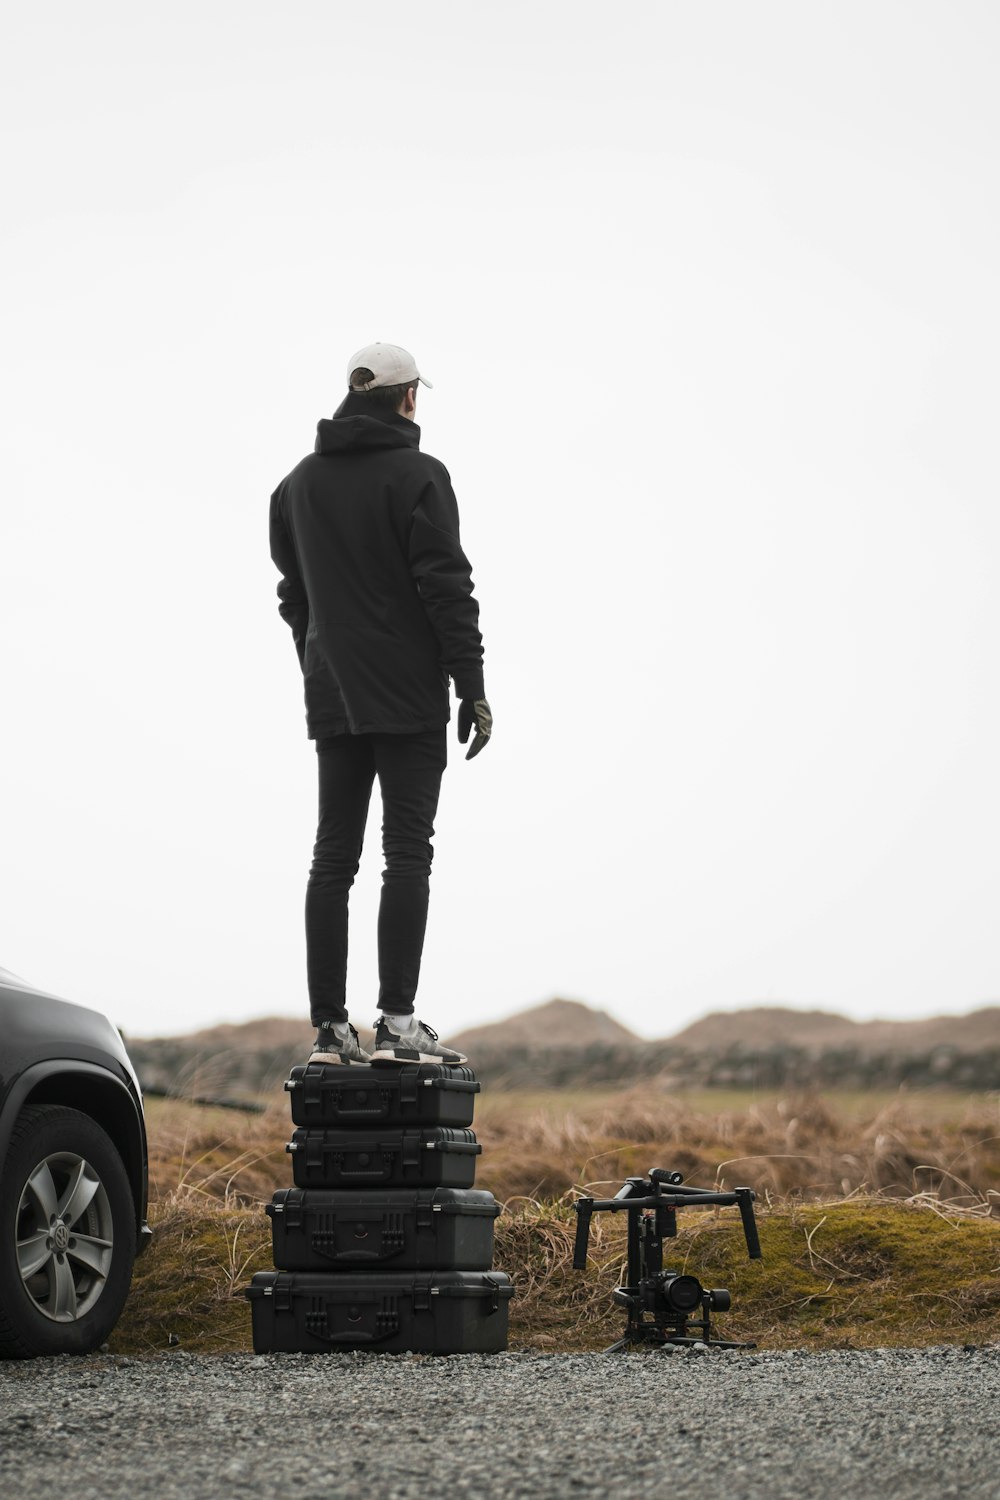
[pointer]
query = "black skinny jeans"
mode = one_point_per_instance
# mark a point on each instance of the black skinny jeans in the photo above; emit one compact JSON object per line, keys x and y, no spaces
{"x":409,"y":768}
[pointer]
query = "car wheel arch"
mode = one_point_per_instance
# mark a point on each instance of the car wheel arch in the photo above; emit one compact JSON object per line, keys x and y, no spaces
{"x":94,"y":1092}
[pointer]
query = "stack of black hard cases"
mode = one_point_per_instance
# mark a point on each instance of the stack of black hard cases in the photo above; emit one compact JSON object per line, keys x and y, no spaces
{"x":383,"y":1243}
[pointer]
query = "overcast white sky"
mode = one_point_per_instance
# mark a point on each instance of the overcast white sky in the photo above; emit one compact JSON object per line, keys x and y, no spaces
{"x":709,"y":296}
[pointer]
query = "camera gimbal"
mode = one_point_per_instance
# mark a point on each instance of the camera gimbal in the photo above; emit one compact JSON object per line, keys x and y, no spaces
{"x":662,"y":1304}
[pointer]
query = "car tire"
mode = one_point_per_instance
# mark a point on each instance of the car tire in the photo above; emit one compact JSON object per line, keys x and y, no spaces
{"x":67,"y":1235}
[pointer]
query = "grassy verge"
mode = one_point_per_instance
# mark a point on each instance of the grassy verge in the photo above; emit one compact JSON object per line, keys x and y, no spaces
{"x":854,"y":1273}
{"x":876,"y":1214}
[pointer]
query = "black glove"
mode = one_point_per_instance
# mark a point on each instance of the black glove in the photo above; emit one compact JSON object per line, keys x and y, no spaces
{"x":474,"y":711}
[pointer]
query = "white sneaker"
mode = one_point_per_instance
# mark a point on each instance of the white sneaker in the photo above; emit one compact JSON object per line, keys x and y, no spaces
{"x":329,"y":1048}
{"x":416,"y":1046}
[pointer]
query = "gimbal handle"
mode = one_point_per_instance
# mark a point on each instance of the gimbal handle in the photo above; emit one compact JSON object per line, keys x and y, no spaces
{"x":584,"y":1209}
{"x":744,"y":1198}
{"x":638,"y":1194}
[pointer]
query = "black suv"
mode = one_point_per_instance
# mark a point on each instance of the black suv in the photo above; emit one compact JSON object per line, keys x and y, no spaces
{"x":73,"y":1174}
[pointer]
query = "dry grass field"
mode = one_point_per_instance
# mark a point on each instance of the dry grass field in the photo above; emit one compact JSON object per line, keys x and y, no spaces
{"x":879,"y":1214}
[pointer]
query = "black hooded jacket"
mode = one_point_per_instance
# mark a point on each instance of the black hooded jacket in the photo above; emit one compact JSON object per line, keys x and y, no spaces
{"x":375,"y":585}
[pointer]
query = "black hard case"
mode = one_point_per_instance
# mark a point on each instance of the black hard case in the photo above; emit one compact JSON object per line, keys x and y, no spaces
{"x":440,"y":1312}
{"x":410,"y":1095}
{"x":384,"y":1156}
{"x":446,"y":1229}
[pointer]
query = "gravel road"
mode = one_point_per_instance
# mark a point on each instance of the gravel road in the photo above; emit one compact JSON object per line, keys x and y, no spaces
{"x":908,"y":1423}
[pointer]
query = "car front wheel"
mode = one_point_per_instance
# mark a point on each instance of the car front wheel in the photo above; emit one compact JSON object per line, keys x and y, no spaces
{"x":67,"y":1235}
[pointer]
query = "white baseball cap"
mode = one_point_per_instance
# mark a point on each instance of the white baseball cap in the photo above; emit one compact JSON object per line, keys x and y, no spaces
{"x":389,"y":364}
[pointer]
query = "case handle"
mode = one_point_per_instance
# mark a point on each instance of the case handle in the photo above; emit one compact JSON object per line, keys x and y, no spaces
{"x":355,"y":1338}
{"x":491,"y":1287}
{"x":386,"y":1323}
{"x":376,"y":1171}
{"x":352,"y":1338}
{"x":378,"y":1109}
{"x":322,"y":1243}
{"x":353,"y":1255}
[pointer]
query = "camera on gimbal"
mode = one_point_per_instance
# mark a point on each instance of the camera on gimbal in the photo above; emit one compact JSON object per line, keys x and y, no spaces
{"x":664,"y":1306}
{"x":673,"y":1294}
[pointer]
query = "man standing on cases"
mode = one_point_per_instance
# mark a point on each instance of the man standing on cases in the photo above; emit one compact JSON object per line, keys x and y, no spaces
{"x":378,"y":594}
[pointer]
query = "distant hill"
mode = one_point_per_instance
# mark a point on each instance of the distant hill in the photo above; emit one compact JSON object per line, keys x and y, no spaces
{"x":569,"y":1023}
{"x":565,"y":1043}
{"x":268,"y":1031}
{"x":763,"y":1026}
{"x":557,"y":1023}
{"x":225,"y":1061}
{"x":245,"y":1057}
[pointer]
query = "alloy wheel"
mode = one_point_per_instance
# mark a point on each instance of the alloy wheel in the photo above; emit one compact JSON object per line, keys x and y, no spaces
{"x":65,"y":1236}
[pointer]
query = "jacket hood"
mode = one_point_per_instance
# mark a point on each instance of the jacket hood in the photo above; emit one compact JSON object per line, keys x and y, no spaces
{"x":353,"y":427}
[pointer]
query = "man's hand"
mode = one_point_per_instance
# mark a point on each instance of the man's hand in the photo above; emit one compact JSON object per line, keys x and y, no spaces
{"x":474,"y":711}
